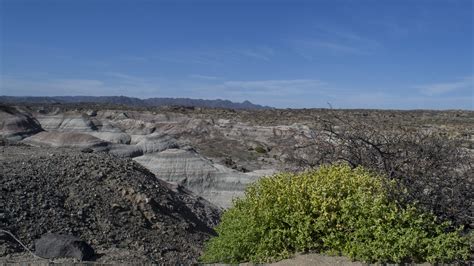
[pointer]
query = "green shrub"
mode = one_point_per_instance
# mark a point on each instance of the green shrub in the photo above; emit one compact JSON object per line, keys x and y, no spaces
{"x":334,"y":210}
{"x":260,"y":149}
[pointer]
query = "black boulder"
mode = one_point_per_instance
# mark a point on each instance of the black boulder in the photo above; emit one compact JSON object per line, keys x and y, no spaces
{"x":63,"y":246}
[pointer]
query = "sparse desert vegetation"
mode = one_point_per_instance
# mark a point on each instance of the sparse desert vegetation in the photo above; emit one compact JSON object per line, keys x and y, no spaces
{"x":332,"y":210}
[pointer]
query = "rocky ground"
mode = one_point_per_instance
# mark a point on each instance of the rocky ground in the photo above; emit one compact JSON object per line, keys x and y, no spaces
{"x":116,"y":205}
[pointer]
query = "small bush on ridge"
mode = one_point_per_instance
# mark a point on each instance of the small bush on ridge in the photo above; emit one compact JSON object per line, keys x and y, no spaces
{"x":260,"y":149}
{"x":335,"y":210}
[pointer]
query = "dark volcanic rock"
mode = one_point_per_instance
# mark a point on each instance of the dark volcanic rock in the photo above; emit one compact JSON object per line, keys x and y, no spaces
{"x":110,"y":203}
{"x":63,"y":246}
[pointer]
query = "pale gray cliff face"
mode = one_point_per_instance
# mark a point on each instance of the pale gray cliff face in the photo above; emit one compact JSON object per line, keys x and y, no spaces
{"x":212,"y":181}
{"x":16,"y":124}
{"x":65,"y":139}
{"x":66,"y":122}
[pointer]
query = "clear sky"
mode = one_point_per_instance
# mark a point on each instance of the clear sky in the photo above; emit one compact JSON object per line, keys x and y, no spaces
{"x":404,"y":54}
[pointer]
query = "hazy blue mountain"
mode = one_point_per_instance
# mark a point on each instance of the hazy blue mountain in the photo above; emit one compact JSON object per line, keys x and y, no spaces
{"x":130,"y":101}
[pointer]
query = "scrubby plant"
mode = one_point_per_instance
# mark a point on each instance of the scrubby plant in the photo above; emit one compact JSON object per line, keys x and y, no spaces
{"x":334,"y":209}
{"x":435,"y":170}
{"x":430,"y":163}
{"x":260,"y":149}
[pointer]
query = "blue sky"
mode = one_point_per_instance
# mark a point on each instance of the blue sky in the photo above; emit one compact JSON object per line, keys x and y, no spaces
{"x":352,"y":54}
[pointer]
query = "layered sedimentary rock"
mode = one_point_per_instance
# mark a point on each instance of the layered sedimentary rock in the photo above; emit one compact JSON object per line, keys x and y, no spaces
{"x":156,"y":143}
{"x":212,"y":181}
{"x":67,"y":122}
{"x":106,"y":130}
{"x":65,"y":139}
{"x":16,"y":124}
{"x":215,"y":158}
{"x":113,"y":137}
{"x":84,"y":123}
{"x":143,"y":144}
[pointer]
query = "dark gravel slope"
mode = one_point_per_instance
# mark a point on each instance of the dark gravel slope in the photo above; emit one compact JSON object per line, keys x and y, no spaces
{"x":108,"y":202}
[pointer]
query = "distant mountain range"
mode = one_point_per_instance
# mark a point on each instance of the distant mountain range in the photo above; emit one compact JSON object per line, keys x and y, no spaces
{"x":130,"y":101}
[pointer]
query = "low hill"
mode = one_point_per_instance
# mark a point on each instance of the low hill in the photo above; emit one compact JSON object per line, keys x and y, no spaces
{"x":115,"y":205}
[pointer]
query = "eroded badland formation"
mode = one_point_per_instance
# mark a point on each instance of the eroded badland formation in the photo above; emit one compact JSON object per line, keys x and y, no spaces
{"x":150,"y":183}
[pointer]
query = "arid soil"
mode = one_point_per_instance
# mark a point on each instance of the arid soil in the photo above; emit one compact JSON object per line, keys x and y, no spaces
{"x":324,"y":260}
{"x":108,"y":202}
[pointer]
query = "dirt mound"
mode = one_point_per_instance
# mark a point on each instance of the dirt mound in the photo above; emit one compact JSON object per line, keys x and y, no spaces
{"x":65,"y":139}
{"x":108,"y":202}
{"x":16,"y":124}
{"x":214,"y":182}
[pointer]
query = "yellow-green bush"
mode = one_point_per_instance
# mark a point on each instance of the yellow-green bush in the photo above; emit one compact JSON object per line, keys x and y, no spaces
{"x":334,"y":210}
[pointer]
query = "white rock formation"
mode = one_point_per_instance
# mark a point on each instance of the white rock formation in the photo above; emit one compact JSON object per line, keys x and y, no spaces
{"x":212,"y":181}
{"x":65,"y":139}
{"x":113,"y":137}
{"x":66,"y":122}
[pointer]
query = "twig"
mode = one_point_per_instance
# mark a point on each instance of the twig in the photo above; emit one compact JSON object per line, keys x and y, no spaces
{"x":23,"y":245}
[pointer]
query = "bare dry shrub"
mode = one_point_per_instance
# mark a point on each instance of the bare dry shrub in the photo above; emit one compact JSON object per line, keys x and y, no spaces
{"x":429,"y":167}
